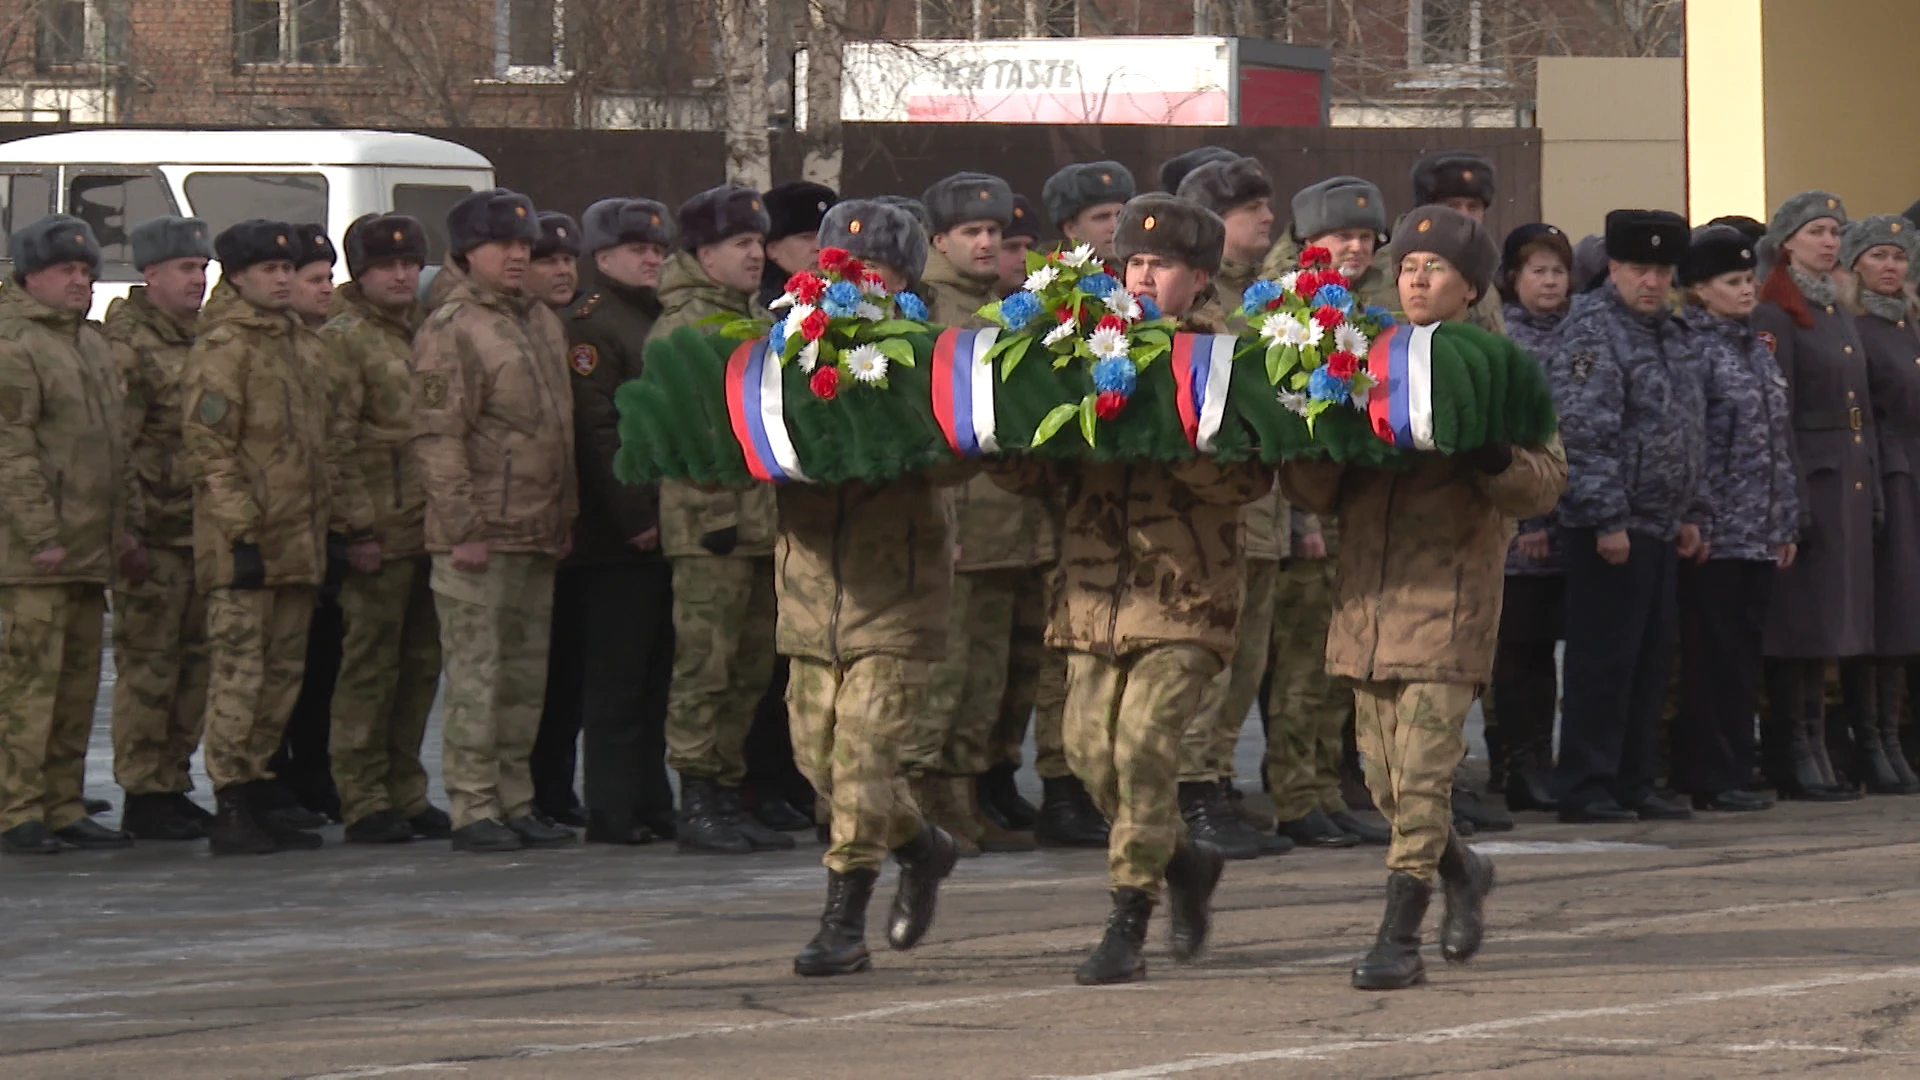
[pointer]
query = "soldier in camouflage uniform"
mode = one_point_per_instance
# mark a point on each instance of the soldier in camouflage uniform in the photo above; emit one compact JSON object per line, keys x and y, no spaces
{"x":1464,"y":181}
{"x":1083,"y":201}
{"x":391,"y":652}
{"x":1417,"y":612}
{"x":553,"y":273}
{"x":159,"y":625}
{"x":1240,"y":191}
{"x":493,"y":437}
{"x":255,"y":433}
{"x":1141,"y":653}
{"x":721,"y":547}
{"x":68,"y":508}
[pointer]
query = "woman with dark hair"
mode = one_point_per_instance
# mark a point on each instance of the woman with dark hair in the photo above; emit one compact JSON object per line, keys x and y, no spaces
{"x":1823,"y":605}
{"x":1535,"y":273}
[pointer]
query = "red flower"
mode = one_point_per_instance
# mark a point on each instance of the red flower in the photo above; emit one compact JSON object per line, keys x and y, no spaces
{"x":1108,"y":404}
{"x":806,"y":287}
{"x":814,"y":325}
{"x":1111,"y":322}
{"x":1307,"y":283}
{"x":1342,"y":365}
{"x":1274,"y":304}
{"x":1065,"y":313}
{"x":832,"y":259}
{"x":1328,"y":317}
{"x":1316,"y":256}
{"x":873,"y":279}
{"x":853,"y":269}
{"x":825,"y":382}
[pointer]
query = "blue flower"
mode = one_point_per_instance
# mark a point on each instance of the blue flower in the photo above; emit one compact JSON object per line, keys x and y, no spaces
{"x":844,"y":293}
{"x":1115,"y":375}
{"x":1019,"y":309}
{"x":1259,"y":295}
{"x":1322,"y":386}
{"x":1098,"y":285}
{"x":911,"y":306}
{"x":777,"y":337}
{"x":1148,"y":309}
{"x":1333,"y":296}
{"x":1380,"y":315}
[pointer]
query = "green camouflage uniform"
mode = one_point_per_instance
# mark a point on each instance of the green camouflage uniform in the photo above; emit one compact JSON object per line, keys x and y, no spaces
{"x":1206,"y":749}
{"x":1307,"y":710}
{"x":723,"y":605}
{"x":256,"y":434}
{"x":1230,"y":288}
{"x":390,"y":658}
{"x":493,"y":437}
{"x":63,"y":482}
{"x":160,"y":625}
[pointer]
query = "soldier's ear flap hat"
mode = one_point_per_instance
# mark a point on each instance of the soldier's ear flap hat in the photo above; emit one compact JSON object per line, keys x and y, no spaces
{"x":1589,"y":263}
{"x":158,"y":239}
{"x":1453,"y":236}
{"x":1339,"y":202}
{"x":612,"y":222}
{"x":1454,"y":174}
{"x":486,"y":216}
{"x":1173,"y":228}
{"x":722,"y":213}
{"x":1173,"y":172}
{"x":1877,"y":231}
{"x":311,"y":245}
{"x":967,"y":196}
{"x":1802,"y":210}
{"x":1083,"y":186}
{"x":54,"y":239}
{"x":559,"y":235}
{"x":797,"y":206}
{"x":875,"y":232}
{"x":912,"y":206}
{"x":1754,"y":231}
{"x":376,"y":238}
{"x":253,"y":242}
{"x":1025,"y":221}
{"x":1715,"y":250}
{"x":1653,"y":237}
{"x":1227,"y":184}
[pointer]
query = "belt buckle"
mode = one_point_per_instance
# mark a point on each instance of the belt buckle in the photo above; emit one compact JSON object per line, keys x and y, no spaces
{"x":1854,"y":420}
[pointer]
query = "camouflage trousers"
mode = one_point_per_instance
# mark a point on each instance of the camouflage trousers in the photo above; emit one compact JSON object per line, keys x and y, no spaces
{"x":848,"y":721}
{"x":1206,"y":750}
{"x":1124,"y":719}
{"x":723,"y":656}
{"x":955,"y":734}
{"x":389,"y":671}
{"x":49,"y":673}
{"x":1308,"y":710}
{"x":494,"y":627}
{"x":1412,"y":736}
{"x":257,"y":640}
{"x":160,"y":680}
{"x":1038,"y":675}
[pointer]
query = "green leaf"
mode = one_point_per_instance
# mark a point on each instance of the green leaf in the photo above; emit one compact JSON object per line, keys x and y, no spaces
{"x":991,"y":311}
{"x":733,"y":326}
{"x":1062,"y":361}
{"x":1153,"y":337}
{"x":1014,"y":350}
{"x":896,"y":327}
{"x":1088,"y":418}
{"x":1081,"y":349}
{"x":791,"y":347}
{"x":1299,"y":380}
{"x":1035,"y":260}
{"x":897,"y":350}
{"x":829,"y":352}
{"x":1310,"y":356}
{"x":1142,"y":358}
{"x":1051,"y":424}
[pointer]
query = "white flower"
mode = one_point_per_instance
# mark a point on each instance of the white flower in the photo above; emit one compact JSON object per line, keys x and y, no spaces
{"x":1288,"y":280}
{"x":1348,"y":338}
{"x":869,"y":312}
{"x":1041,"y":278}
{"x":1108,"y":342}
{"x":1122,"y":303}
{"x":1078,"y":257}
{"x":1315,"y":333}
{"x":785,"y":300}
{"x":1360,"y":394}
{"x":1060,"y":333}
{"x":809,"y":356}
{"x":1293,"y":402}
{"x":1280,"y":327}
{"x":874,"y":287}
{"x":867,"y":363}
{"x":797,"y":316}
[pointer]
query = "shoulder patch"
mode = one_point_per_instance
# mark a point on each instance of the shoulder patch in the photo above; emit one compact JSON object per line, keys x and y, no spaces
{"x":433,"y":390}
{"x":443,"y":314}
{"x":1767,"y":339}
{"x":1582,"y":365}
{"x":586,"y":306}
{"x":213,"y":408}
{"x":585,"y":359}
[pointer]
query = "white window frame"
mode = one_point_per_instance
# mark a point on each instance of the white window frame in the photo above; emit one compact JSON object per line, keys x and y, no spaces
{"x":1472,"y":73}
{"x":95,"y":39}
{"x":290,"y":39}
{"x":506,"y":70}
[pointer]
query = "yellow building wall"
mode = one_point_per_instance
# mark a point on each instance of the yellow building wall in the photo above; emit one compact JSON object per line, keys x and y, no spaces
{"x":1612,"y":136}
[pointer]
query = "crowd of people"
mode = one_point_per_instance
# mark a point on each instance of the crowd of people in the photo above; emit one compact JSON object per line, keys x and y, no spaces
{"x":309,"y":506}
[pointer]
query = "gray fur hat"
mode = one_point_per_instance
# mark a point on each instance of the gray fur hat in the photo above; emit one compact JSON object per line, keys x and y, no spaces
{"x":1801,"y":210}
{"x":257,"y":240}
{"x":378,"y":238}
{"x":1875,"y":231}
{"x":156,"y":240}
{"x":486,"y":216}
{"x":311,"y":245}
{"x":873,"y":231}
{"x":1589,"y":262}
{"x":559,"y":235}
{"x":1025,"y":222}
{"x":1453,"y":236}
{"x":1226,"y":183}
{"x":1454,"y":174}
{"x":54,"y":239}
{"x":1339,"y":202}
{"x":719,"y":213}
{"x":1173,"y":172}
{"x":967,"y":196}
{"x":911,"y":205}
{"x":1167,"y":225}
{"x":612,"y":222}
{"x":1083,"y":186}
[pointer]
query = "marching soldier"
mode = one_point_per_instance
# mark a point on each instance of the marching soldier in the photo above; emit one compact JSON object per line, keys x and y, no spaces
{"x":159,"y":625}
{"x":1240,"y":191}
{"x":1083,"y":201}
{"x":794,"y":210}
{"x":65,"y":492}
{"x":1464,"y":181}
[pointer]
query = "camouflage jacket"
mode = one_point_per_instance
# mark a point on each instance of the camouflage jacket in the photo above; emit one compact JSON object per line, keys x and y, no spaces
{"x":1421,"y":576}
{"x":952,"y":298}
{"x":606,"y":331}
{"x":150,"y":348}
{"x":1230,"y":287}
{"x":256,"y":433}
{"x":1377,"y":287}
{"x":370,"y":365}
{"x":1536,"y":334}
{"x":493,"y":422}
{"x":1630,"y":392}
{"x":687,"y":295}
{"x":1751,"y":497}
{"x":1266,"y":532}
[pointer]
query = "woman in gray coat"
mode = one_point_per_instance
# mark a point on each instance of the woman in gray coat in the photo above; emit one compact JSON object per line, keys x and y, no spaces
{"x":1823,"y":605}
{"x":1879,"y":251}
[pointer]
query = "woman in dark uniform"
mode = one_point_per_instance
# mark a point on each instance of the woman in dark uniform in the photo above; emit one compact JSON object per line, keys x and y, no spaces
{"x":1879,"y":251}
{"x":1823,"y":606}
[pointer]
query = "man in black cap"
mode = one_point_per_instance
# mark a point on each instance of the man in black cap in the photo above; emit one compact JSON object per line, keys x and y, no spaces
{"x":1175,"y":169}
{"x":553,"y":273}
{"x":1239,"y":190}
{"x":1083,"y":201}
{"x":794,"y":210}
{"x":1018,"y":238}
{"x":312,"y":297}
{"x":1464,"y":181}
{"x":1632,"y":408}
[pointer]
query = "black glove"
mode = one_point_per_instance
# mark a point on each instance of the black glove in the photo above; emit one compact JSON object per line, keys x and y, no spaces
{"x":249,"y":569}
{"x":722,"y":541}
{"x":1492,"y":459}
{"x":337,"y":566}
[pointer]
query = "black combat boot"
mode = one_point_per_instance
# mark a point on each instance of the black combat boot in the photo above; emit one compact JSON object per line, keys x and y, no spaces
{"x":1192,"y":875}
{"x":1067,"y":816}
{"x":703,"y":826}
{"x":1365,"y":831}
{"x":840,"y":948}
{"x":380,"y":827}
{"x":1223,"y":810}
{"x":156,"y":817}
{"x":1316,"y":829}
{"x":1466,"y":877}
{"x":1000,"y":795}
{"x":1484,"y":818}
{"x":30,"y":838}
{"x":1119,"y":957}
{"x":235,"y":830}
{"x":277,"y":823}
{"x":1871,"y":765}
{"x":1197,"y":809}
{"x":925,"y":861}
{"x":1890,"y":695}
{"x":185,"y":807}
{"x":1797,"y":688}
{"x":1394,"y":963}
{"x":432,"y":823}
{"x":758,"y":837}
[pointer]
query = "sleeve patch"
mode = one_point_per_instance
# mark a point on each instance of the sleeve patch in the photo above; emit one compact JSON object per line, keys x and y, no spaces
{"x":213,"y":408}
{"x":1766,"y":338}
{"x":433,"y":391}
{"x":585,"y":359}
{"x":1582,"y":366}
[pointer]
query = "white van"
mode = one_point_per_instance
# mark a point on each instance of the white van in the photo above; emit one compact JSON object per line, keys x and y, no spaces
{"x":115,"y":179}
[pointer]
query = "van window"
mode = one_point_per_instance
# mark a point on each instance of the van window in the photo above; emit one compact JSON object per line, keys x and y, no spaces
{"x":26,"y":196}
{"x":429,"y":203}
{"x":113,"y":203}
{"x":226,"y":199}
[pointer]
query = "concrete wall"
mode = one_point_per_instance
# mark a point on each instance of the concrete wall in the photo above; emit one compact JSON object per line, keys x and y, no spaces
{"x":1612,"y":135}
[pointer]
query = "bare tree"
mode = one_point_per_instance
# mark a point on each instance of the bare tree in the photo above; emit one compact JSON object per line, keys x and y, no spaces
{"x":826,"y":38}
{"x":743,"y":81}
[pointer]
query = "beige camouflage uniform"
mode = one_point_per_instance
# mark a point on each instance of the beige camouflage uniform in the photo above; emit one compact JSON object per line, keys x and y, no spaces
{"x":493,"y":438}
{"x":1206,"y":750}
{"x":255,"y":434}
{"x":160,"y":625}
{"x":390,"y":658}
{"x":1308,"y":710}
